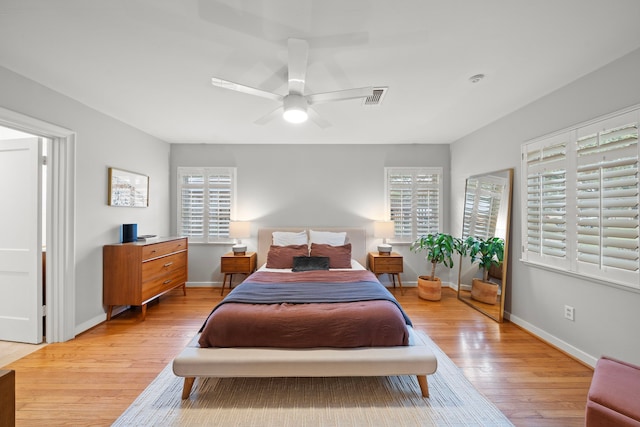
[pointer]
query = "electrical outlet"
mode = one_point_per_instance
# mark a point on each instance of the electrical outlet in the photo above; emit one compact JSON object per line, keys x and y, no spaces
{"x":568,"y":312}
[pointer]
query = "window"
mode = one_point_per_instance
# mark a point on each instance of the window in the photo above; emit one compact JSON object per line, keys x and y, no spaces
{"x":414,"y":201}
{"x":206,"y":198}
{"x":581,"y":200}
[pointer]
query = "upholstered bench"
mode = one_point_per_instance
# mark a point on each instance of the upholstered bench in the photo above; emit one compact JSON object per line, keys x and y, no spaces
{"x":614,"y":395}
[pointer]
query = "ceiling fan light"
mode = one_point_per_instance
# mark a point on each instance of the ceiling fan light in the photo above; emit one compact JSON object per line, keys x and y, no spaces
{"x":295,"y":108}
{"x":295,"y":116}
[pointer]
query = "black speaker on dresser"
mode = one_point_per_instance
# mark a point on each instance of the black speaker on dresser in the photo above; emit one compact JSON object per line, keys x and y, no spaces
{"x":129,"y":233}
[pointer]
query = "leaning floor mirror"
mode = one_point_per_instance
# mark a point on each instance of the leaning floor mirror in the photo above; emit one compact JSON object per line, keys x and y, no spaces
{"x":487,"y":217}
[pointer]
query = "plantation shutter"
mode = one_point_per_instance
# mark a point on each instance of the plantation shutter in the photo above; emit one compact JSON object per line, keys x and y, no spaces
{"x":219,"y":190}
{"x":413,"y":198}
{"x":546,"y":188}
{"x":582,"y":206}
{"x":607,"y":197}
{"x":206,"y":203}
{"x":191,"y":214}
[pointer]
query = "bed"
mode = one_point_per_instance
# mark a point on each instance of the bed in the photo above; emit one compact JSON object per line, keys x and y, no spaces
{"x":309,"y":352}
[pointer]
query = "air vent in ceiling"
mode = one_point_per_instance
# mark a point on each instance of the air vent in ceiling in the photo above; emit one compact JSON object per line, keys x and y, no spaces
{"x":377,"y":96}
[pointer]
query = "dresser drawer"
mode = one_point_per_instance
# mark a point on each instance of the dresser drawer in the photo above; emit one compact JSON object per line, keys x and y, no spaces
{"x":163,"y":265}
{"x":159,"y":249}
{"x":157,"y":286}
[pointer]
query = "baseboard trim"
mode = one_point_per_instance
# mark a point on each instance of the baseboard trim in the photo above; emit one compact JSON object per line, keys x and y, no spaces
{"x":204,"y":284}
{"x":553,"y":341}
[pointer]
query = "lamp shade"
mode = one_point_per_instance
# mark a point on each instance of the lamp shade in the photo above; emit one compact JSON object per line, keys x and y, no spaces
{"x":384,"y":229}
{"x":239,"y":229}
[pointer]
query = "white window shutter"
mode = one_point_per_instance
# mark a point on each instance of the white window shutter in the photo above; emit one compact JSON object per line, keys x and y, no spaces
{"x":607,"y":197}
{"x":205,"y":205}
{"x":546,"y":220}
{"x":582,"y":199}
{"x":191,"y":208}
{"x":414,"y":201}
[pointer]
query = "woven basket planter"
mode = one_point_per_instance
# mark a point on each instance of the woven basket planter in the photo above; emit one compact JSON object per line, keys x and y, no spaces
{"x":430,"y":290}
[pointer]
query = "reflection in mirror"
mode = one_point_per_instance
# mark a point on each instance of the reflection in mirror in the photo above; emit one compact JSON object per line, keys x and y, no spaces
{"x":487,"y":214}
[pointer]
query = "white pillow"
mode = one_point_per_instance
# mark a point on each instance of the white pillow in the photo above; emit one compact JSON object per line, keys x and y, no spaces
{"x":328,"y":237}
{"x":286,"y":238}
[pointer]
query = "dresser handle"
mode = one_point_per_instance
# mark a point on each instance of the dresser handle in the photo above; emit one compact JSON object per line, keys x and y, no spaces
{"x":166,"y":282}
{"x":168,"y":264}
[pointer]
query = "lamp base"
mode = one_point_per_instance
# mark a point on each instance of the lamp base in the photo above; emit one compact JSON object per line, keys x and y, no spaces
{"x":239,"y":249}
{"x":384,"y":249}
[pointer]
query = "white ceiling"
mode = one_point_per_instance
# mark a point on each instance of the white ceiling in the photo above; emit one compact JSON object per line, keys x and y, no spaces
{"x":149,"y":63}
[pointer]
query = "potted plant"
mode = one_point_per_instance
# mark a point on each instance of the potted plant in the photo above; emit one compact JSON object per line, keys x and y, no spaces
{"x":488,"y":253}
{"x":439,"y":248}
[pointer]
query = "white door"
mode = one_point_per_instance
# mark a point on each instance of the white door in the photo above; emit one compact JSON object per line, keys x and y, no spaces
{"x":20,"y":244}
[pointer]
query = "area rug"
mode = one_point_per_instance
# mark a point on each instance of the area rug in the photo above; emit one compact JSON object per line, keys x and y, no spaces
{"x":342,"y":401}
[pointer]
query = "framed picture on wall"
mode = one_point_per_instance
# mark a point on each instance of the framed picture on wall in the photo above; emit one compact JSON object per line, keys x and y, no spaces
{"x":128,"y":189}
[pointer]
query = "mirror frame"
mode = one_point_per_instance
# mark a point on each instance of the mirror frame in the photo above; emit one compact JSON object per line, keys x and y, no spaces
{"x":481,"y":307}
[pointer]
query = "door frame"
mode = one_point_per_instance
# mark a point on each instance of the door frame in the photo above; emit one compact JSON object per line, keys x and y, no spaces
{"x":60,"y":274}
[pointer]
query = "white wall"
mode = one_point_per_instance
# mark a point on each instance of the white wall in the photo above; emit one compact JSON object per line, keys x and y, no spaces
{"x":307,"y":185}
{"x":102,"y":141}
{"x":606,"y":318}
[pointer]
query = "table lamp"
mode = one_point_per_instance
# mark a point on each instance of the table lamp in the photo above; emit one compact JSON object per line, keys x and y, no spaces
{"x":384,"y":230}
{"x":239,"y":230}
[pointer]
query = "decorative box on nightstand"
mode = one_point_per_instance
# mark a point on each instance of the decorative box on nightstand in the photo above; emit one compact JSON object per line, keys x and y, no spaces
{"x":391,"y":264}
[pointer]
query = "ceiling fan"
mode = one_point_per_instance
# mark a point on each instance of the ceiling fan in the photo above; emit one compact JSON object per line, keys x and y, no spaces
{"x":296,"y":105}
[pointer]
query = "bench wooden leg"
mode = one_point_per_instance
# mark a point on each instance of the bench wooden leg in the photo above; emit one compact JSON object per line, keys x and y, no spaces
{"x":186,"y":389}
{"x":424,"y":386}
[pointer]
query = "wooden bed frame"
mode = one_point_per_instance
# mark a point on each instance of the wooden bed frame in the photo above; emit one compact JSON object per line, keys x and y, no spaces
{"x":414,"y":359}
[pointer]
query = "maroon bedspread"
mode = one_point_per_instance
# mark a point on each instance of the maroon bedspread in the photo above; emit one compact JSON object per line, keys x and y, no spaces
{"x":376,"y":323}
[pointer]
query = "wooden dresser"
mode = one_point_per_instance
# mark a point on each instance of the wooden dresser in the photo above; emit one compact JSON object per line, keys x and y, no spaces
{"x":135,"y":273}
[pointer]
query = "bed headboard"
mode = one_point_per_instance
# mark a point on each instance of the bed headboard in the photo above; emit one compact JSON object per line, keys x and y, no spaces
{"x":356,"y":236}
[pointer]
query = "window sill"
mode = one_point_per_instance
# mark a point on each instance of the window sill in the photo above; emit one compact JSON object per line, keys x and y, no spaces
{"x":596,"y":280}
{"x":212,"y":243}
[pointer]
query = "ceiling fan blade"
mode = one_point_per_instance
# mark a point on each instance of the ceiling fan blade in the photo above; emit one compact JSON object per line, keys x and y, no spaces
{"x":245,"y":89}
{"x":298,"y":55}
{"x":340,"y":95}
{"x":269,"y":116}
{"x":315,"y":117}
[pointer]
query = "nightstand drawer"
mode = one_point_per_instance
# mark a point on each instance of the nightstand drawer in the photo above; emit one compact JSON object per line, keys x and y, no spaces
{"x":388,"y":264}
{"x":381,"y":264}
{"x":238,"y":263}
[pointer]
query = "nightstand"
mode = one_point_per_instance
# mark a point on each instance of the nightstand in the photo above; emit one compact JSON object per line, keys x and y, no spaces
{"x":391,"y":264}
{"x":231,"y":264}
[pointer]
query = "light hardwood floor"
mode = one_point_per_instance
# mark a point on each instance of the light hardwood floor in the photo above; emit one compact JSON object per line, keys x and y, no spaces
{"x":92,"y":379}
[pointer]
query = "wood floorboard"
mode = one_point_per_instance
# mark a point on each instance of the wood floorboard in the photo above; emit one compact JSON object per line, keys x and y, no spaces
{"x":91,"y":380}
